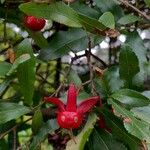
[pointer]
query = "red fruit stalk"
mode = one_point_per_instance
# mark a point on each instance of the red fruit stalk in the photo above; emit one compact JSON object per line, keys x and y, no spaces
{"x":70,"y":116}
{"x":33,"y":23}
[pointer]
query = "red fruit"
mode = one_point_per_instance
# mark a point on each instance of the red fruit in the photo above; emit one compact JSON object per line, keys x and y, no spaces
{"x":69,"y":120}
{"x":33,"y":23}
{"x":70,"y":116}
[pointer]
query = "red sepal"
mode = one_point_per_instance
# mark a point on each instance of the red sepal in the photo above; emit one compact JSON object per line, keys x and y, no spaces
{"x":87,"y":104}
{"x":55,"y":101}
{"x":71,"y":99}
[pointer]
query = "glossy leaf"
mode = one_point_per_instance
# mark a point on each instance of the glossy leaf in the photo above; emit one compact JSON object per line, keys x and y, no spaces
{"x":82,"y":137}
{"x":58,"y":12}
{"x":134,"y":126}
{"x":130,"y":98}
{"x":63,"y":14}
{"x":128,"y":65}
{"x":110,"y":5}
{"x":142,"y":113}
{"x":135,"y":42}
{"x":127,"y":19}
{"x":108,"y":20}
{"x":46,"y":129}
{"x":9,"y":111}
{"x":92,"y":25}
{"x":85,"y":9}
{"x":63,"y":42}
{"x":26,"y":72}
{"x":119,"y":132}
{"x":101,"y":139}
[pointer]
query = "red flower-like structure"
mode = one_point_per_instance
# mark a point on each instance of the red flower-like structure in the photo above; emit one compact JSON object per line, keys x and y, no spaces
{"x":70,"y":116}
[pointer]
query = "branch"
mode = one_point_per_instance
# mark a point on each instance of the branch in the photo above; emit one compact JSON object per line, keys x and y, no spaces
{"x":134,"y":8}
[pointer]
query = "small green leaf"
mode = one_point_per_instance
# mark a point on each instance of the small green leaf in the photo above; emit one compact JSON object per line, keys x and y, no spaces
{"x":142,"y":113}
{"x":4,"y":68}
{"x":37,"y":121}
{"x":108,"y":20}
{"x":9,"y":111}
{"x":82,"y":137}
{"x":127,"y":19}
{"x":23,"y":58}
{"x":130,"y":98}
{"x":47,"y":128}
{"x":128,"y":65}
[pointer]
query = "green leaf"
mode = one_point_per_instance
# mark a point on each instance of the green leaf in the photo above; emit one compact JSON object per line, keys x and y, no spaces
{"x":92,"y":25}
{"x":58,"y":12}
{"x":74,"y":78}
{"x":108,"y":20}
{"x":63,"y":42}
{"x":147,"y":3}
{"x":137,"y":46}
{"x":142,"y":113}
{"x":102,"y":140}
{"x":119,"y":131}
{"x":109,"y":83}
{"x":37,"y":121}
{"x":127,"y":19}
{"x":9,"y":111}
{"x":134,"y":126}
{"x":23,"y":58}
{"x":26,"y":72}
{"x":110,"y":5}
{"x":128,"y":65}
{"x":146,"y":94}
{"x":49,"y":127}
{"x":63,"y":14}
{"x":38,"y":38}
{"x":82,"y":8}
{"x":4,"y":85}
{"x":82,"y":137}
{"x":4,"y":68}
{"x":130,"y":98}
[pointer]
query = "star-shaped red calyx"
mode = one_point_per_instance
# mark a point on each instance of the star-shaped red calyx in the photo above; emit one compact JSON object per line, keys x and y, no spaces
{"x":70,"y":116}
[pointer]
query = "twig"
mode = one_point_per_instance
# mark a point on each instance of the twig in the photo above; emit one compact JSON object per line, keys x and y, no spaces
{"x":14,"y":138}
{"x":88,"y":55}
{"x":100,"y":60}
{"x":134,"y":8}
{"x":14,"y":127}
